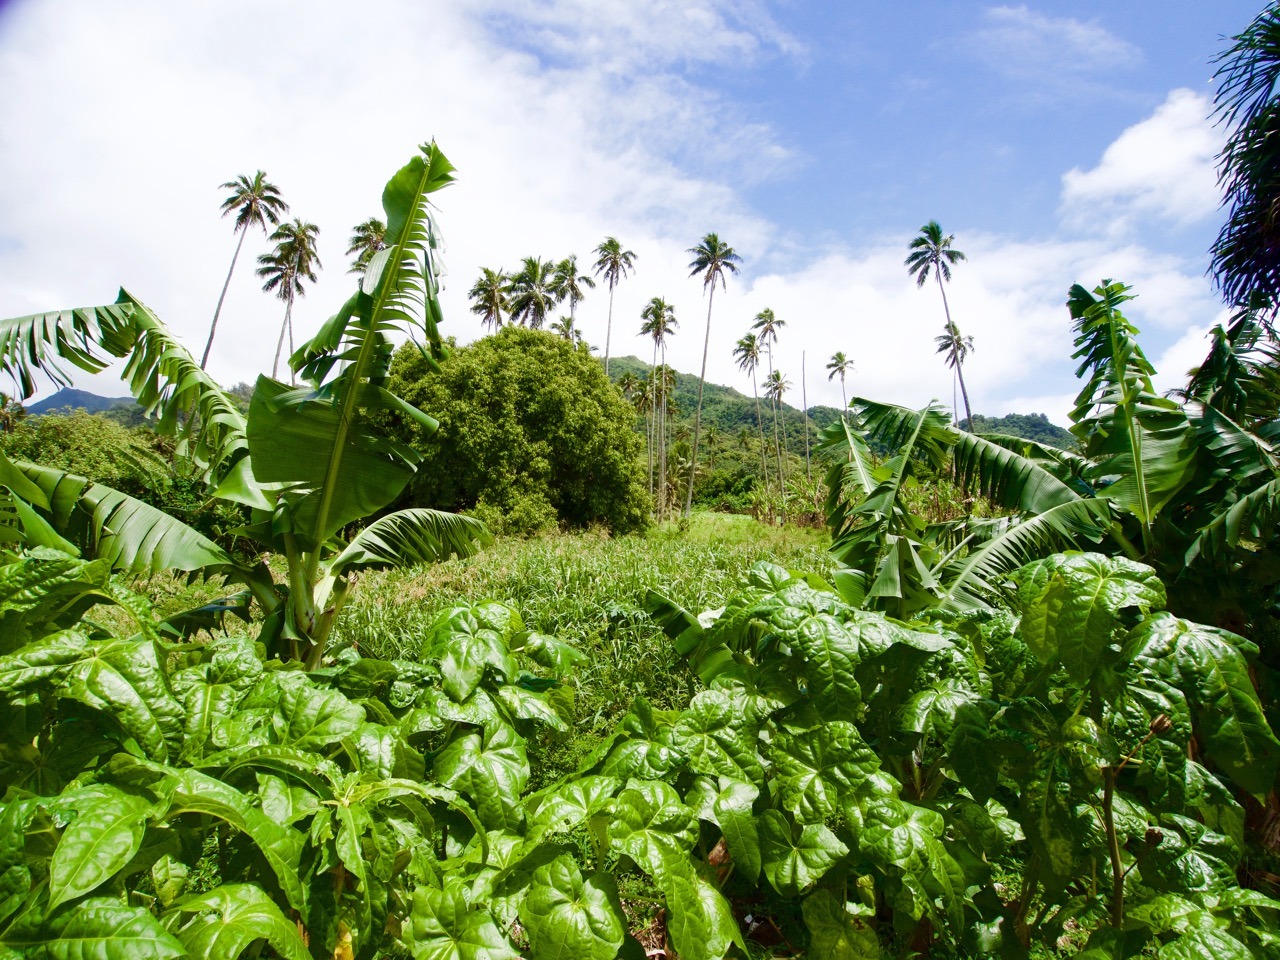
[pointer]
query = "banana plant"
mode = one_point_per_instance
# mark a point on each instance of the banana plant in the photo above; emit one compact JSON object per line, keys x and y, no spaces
{"x":1183,"y":486}
{"x":306,"y":464}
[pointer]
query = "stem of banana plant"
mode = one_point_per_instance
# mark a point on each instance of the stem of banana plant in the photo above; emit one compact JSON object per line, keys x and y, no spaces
{"x":1109,"y":776}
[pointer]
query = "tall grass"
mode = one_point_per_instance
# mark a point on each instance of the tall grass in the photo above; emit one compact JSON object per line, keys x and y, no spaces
{"x":587,"y":589}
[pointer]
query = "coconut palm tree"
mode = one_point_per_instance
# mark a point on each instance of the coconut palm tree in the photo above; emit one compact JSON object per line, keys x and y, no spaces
{"x":531,"y":293}
{"x":957,"y":348}
{"x":768,"y":325}
{"x":642,"y":398}
{"x":712,"y":259}
{"x":256,"y":202}
{"x":568,"y":284}
{"x":840,"y":366}
{"x":613,"y":264}
{"x":660,"y":324}
{"x":1246,"y":254}
{"x":366,"y":239}
{"x":489,"y":296}
{"x":627,"y":383}
{"x":293,"y":260}
{"x":747,"y":353}
{"x":565,"y":328}
{"x":931,"y":252}
{"x":775,"y":385}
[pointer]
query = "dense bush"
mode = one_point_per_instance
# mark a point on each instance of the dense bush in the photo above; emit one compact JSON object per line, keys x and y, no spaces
{"x":531,"y":431}
{"x":90,"y":446}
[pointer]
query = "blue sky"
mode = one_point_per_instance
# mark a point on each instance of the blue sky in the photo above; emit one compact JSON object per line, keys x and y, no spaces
{"x":1059,"y":142}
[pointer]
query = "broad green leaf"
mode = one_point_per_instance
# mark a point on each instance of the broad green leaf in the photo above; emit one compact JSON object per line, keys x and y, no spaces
{"x":550,"y":652}
{"x":443,"y":926}
{"x":906,"y":842}
{"x":169,"y":879}
{"x":105,"y":832}
{"x":839,"y":931}
{"x":100,"y":928}
{"x":701,"y":923}
{"x":796,"y":856}
{"x":121,"y":678}
{"x":712,"y":734}
{"x":490,"y":767}
{"x":229,"y":919}
{"x":468,"y":640}
{"x":1071,"y":603}
{"x":1190,"y":858}
{"x":1208,"y":667}
{"x":738,"y":825}
{"x":312,"y":717}
{"x":652,"y":826}
{"x":569,"y":804}
{"x":818,"y":770}
{"x":409,"y":537}
{"x":568,"y":918}
{"x":933,"y":711}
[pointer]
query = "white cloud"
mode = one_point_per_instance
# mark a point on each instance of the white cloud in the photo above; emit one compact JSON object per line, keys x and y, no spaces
{"x":112,"y":162}
{"x":1049,"y":51}
{"x":1161,"y":168}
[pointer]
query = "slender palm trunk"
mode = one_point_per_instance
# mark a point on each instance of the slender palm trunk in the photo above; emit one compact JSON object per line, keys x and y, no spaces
{"x":663,"y":496}
{"x":764,"y":456}
{"x":954,"y":355}
{"x":804,"y":399}
{"x":608,"y":332}
{"x":288,"y":309}
{"x":697,"y":416}
{"x":653,"y":416}
{"x":214,"y":326}
{"x":775,"y":402}
{"x":844,"y":396}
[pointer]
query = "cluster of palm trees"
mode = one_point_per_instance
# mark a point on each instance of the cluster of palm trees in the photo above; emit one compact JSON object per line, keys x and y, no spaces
{"x":931,"y":252}
{"x":528,"y":296}
{"x":256,"y":203}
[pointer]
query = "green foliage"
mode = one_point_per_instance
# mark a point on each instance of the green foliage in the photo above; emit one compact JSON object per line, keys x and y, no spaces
{"x":529,"y":427}
{"x":91,"y":446}
{"x":1028,"y":426}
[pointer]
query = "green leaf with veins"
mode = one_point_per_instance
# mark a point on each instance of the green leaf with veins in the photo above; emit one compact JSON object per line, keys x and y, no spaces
{"x":443,"y":926}
{"x":309,"y":716}
{"x":100,"y":928}
{"x":818,"y":770}
{"x":492,"y":768}
{"x":701,"y":922}
{"x":468,"y":640}
{"x":796,"y":856}
{"x":906,"y":842}
{"x":712,"y":734}
{"x":839,"y":931}
{"x":733,"y":809}
{"x":105,"y":831}
{"x":569,"y":918}
{"x":652,"y":826}
{"x":229,"y":919}
{"x":1071,"y":606}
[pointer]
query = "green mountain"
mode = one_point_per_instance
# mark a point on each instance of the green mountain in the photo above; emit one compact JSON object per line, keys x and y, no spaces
{"x":68,"y":399}
{"x":1029,"y":426}
{"x":729,"y":410}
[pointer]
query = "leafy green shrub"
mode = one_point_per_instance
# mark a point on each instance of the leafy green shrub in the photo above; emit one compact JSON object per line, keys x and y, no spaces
{"x":91,"y":446}
{"x":527,"y":421}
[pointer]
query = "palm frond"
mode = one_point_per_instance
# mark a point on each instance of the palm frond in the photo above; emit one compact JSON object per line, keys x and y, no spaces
{"x":1012,"y":542}
{"x":1004,"y":476}
{"x":134,"y":536}
{"x":1254,"y":517}
{"x":409,"y":537}
{"x":163,"y":377}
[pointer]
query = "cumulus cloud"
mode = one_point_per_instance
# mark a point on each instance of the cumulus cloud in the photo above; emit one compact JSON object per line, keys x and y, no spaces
{"x":561,"y":137}
{"x":1162,"y":168}
{"x":1050,"y":52}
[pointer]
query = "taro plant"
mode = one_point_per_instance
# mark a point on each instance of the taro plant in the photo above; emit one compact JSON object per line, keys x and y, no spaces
{"x":1191,"y":488}
{"x":972,"y":784}
{"x":306,"y":464}
{"x":166,"y":798}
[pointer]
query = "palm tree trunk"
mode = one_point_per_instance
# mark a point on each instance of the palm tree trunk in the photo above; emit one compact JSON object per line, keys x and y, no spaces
{"x":804,"y":399}
{"x":289,"y":320}
{"x":764,"y":456}
{"x":844,"y":396}
{"x":653,"y":415}
{"x":663,"y":496}
{"x":697,"y":416}
{"x":955,"y":358}
{"x":214,"y":326}
{"x":280,"y":342}
{"x":775,"y":402}
{"x":608,"y":332}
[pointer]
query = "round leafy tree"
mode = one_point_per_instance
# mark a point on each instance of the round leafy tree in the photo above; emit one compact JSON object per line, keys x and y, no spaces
{"x":531,"y":432}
